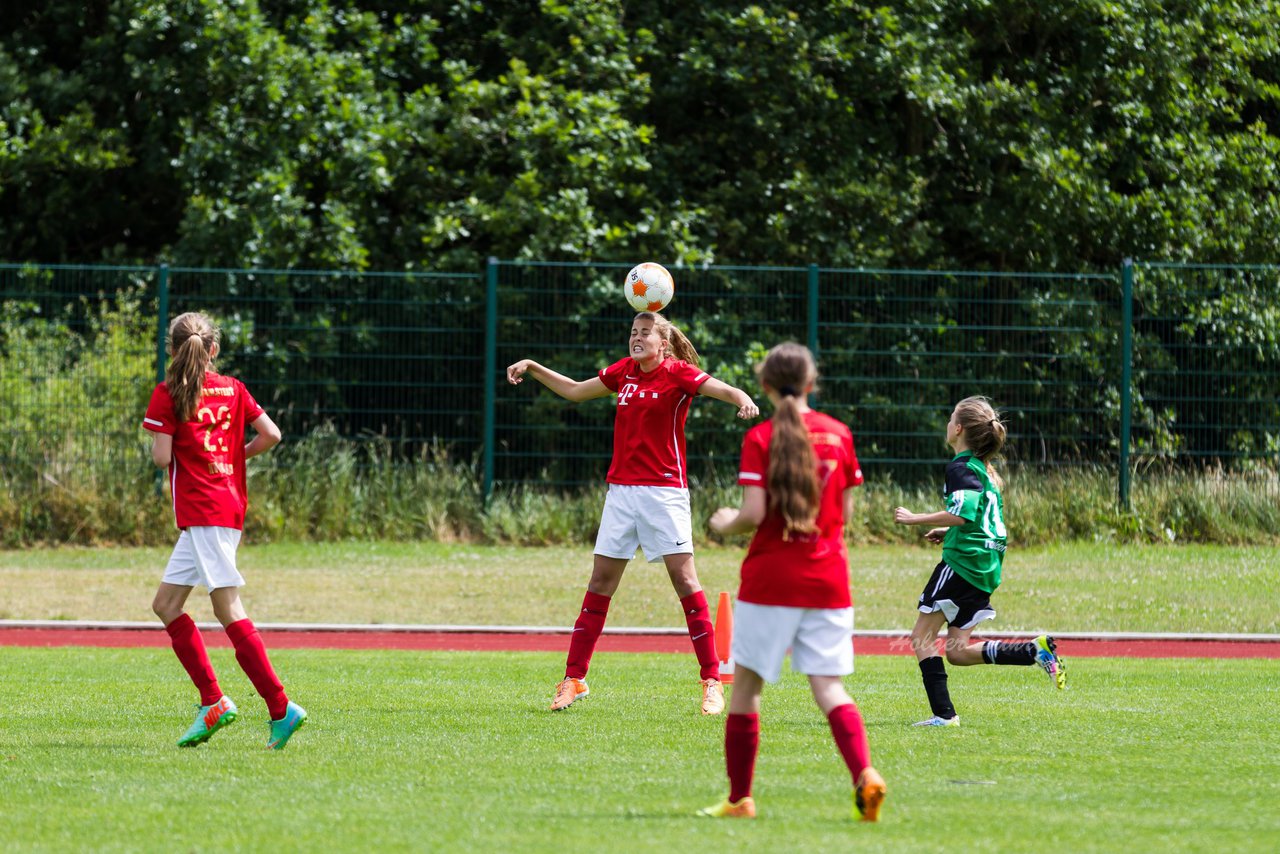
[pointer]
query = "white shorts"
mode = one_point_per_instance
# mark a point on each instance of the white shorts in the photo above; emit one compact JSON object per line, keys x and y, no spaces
{"x":654,"y":518}
{"x":821,"y":640}
{"x":205,"y":555}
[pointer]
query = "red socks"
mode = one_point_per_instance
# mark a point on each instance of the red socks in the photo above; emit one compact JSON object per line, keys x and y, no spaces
{"x":590,"y":623}
{"x":741,"y":742}
{"x":188,"y":645}
{"x":697,"y":615}
{"x":586,"y":631}
{"x":851,"y":738}
{"x":252,"y":655}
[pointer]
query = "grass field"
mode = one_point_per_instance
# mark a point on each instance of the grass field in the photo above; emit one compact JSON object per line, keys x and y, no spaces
{"x":456,"y":751}
{"x":1070,"y":587}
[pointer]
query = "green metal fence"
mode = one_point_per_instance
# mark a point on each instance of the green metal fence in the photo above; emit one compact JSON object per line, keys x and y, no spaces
{"x":1153,"y":364}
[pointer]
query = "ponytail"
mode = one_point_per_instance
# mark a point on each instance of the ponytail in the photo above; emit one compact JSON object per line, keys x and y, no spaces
{"x":985,"y":433}
{"x":192,"y":337}
{"x":792,"y":479}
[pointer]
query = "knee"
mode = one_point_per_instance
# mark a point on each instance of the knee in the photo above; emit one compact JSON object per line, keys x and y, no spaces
{"x":165,"y":610}
{"x":955,"y":657}
{"x":924,"y":643}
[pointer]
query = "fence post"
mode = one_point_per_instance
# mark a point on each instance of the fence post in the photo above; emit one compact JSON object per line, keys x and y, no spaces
{"x":490,"y":369}
{"x":813,"y":310}
{"x":812,"y":320}
{"x":1126,"y":377}
{"x":162,"y":327}
{"x":162,"y":318}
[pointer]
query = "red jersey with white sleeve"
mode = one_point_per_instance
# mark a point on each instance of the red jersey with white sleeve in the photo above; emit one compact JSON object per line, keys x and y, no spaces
{"x":648,"y":428}
{"x":206,"y":473}
{"x":805,"y":570}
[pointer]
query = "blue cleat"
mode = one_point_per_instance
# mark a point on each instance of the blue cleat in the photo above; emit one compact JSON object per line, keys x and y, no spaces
{"x":282,"y":730}
{"x":1047,"y":658}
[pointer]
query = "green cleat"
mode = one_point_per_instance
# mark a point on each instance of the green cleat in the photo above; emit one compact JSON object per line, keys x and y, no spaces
{"x":1047,"y":658}
{"x":282,"y":730}
{"x":209,"y":720}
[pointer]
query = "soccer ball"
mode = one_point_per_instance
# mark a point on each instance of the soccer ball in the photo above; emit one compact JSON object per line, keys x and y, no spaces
{"x":649,"y":287}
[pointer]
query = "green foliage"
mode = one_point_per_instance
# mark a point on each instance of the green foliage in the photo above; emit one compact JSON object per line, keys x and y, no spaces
{"x":73,"y":387}
{"x":359,"y":134}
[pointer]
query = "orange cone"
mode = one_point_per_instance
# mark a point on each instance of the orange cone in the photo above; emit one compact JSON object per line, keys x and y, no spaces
{"x":724,"y":637}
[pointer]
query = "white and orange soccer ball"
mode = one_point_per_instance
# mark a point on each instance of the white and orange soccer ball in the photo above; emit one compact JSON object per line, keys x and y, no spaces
{"x":649,"y":287}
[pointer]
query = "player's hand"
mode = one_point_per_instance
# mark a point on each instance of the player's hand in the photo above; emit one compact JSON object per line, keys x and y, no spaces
{"x":903,"y":516}
{"x":748,"y":410}
{"x":515,"y":373}
{"x":935,"y":535}
{"x":721,"y":518}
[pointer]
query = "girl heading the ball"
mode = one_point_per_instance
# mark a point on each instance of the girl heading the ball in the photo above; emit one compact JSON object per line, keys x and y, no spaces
{"x":798,"y":473}
{"x":647,"y":502}
{"x":972,"y":532}
{"x":197,"y":418}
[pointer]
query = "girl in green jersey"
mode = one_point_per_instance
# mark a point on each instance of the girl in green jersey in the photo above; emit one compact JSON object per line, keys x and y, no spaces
{"x":972,"y":533}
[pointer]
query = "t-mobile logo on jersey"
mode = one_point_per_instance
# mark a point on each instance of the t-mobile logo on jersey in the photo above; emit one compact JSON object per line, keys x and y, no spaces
{"x":631,"y":390}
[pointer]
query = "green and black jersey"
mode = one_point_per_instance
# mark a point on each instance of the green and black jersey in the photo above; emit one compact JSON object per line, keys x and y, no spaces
{"x":976,"y":548}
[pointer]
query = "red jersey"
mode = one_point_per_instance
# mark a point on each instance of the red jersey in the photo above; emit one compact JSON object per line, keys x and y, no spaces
{"x":206,"y":474}
{"x":648,"y":429}
{"x":808,"y":570}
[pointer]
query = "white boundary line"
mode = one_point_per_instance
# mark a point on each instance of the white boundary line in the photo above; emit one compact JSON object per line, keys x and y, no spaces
{"x":415,"y":628}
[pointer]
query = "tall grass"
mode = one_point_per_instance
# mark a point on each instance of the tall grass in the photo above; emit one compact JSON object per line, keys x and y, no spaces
{"x":324,"y":487}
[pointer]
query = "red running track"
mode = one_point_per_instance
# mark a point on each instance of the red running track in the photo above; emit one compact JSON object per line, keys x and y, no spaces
{"x":543,"y":642}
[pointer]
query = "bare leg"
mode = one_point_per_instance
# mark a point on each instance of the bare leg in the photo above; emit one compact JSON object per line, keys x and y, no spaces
{"x":960,"y":651}
{"x":226,"y":605}
{"x":684,"y":577}
{"x":924,"y":634}
{"x":747,"y":688}
{"x":606,"y":575}
{"x":828,"y":692}
{"x":169,"y":602}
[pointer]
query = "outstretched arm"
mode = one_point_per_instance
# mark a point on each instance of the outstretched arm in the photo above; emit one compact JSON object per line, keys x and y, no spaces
{"x":729,"y":394}
{"x":559,"y":383}
{"x":941,"y":519}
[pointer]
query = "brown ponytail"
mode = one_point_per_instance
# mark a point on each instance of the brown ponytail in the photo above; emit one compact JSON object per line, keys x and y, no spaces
{"x":677,"y":344}
{"x":192,"y":337}
{"x":792,"y":479}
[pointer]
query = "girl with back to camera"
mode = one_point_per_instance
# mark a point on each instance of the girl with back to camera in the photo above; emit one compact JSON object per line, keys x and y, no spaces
{"x":197,"y":418}
{"x":972,"y":533}
{"x":798,"y":473}
{"x":647,"y":503}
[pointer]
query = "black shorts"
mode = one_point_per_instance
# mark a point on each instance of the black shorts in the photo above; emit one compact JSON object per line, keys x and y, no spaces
{"x":963,"y":604}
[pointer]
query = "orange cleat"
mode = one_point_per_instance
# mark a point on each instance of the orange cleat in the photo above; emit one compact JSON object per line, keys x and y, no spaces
{"x":745,"y":808}
{"x":712,"y":697}
{"x":868,"y":795}
{"x":567,"y":691}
